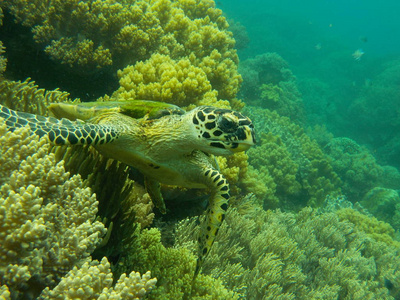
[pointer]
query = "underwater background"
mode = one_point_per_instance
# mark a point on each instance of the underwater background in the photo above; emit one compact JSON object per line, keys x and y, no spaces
{"x":315,"y":205}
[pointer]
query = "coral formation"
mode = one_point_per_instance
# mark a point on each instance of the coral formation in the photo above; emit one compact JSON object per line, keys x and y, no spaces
{"x":269,"y":83}
{"x":103,"y":35}
{"x":3,"y":60}
{"x":356,"y":167}
{"x":309,"y":255}
{"x":94,"y":281}
{"x":384,"y":204}
{"x":164,"y":79}
{"x":48,"y":218}
{"x":173,"y":267}
{"x":378,"y":230}
{"x":240,"y":34}
{"x":376,"y":113}
{"x":293,"y":166}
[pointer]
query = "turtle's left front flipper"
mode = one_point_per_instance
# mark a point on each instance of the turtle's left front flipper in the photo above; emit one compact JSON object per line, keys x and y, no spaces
{"x":60,"y":132}
{"x":215,"y":214}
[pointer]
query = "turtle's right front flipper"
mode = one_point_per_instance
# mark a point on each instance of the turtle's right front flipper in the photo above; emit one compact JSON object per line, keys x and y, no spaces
{"x":60,"y":132}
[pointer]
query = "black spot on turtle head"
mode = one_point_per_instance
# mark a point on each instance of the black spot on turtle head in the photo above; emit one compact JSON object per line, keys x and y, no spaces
{"x":227,"y":124}
{"x":217,"y":145}
{"x":195,"y":121}
{"x":210,"y":125}
{"x":217,"y":132}
{"x":206,"y":135}
{"x":208,"y":109}
{"x":241,"y":135}
{"x":201,"y":116}
{"x":211,"y":117}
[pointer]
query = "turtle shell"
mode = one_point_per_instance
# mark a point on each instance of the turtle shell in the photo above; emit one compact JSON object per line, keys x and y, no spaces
{"x":134,"y":108}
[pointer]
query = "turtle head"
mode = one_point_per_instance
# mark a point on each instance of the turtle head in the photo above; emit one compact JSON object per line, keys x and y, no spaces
{"x":223,"y":131}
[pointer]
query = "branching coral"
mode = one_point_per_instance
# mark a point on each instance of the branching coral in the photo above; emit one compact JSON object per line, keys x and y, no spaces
{"x":108,"y":34}
{"x":164,"y":79}
{"x":173,"y":267}
{"x":48,"y":218}
{"x":275,"y":255}
{"x":269,"y":83}
{"x":356,"y":166}
{"x":94,"y":281}
{"x":3,"y":60}
{"x":294,"y":167}
{"x":374,"y":114}
{"x":378,"y":230}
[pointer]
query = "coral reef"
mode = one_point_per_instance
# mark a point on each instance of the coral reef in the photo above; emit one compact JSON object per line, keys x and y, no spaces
{"x":356,"y":167}
{"x":376,"y":113}
{"x":378,"y":230}
{"x":384,"y":204}
{"x":269,"y":83}
{"x":3,"y":60}
{"x":164,"y":79}
{"x":309,"y":255}
{"x":94,"y":281}
{"x":48,"y":218}
{"x":293,"y":166}
{"x":108,"y":35}
{"x":240,"y":34}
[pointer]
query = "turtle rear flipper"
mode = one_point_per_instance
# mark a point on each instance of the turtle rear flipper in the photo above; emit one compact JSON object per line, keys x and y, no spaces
{"x":59,"y":132}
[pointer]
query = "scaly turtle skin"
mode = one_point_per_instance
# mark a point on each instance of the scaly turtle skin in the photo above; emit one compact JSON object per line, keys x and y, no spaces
{"x":166,"y":144}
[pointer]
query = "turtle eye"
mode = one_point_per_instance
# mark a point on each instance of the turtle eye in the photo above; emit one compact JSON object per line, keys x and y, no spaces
{"x":226,"y":124}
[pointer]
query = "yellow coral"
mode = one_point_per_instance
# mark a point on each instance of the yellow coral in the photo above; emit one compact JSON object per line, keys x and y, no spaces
{"x":4,"y":293}
{"x":164,"y":79}
{"x":289,"y":157}
{"x":173,"y":268}
{"x":3,"y":60}
{"x":99,"y":34}
{"x":94,"y":281}
{"x":48,"y":218}
{"x":378,"y":230}
{"x":308,"y":255}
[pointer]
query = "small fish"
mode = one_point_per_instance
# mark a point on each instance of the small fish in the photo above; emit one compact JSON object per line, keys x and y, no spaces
{"x":318,"y":46}
{"x":358,"y":54}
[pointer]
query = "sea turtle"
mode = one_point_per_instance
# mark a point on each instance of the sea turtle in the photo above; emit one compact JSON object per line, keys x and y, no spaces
{"x":165,"y":143}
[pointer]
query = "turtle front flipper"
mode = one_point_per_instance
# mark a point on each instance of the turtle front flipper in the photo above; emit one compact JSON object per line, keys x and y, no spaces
{"x":215,"y":214}
{"x":59,"y":132}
